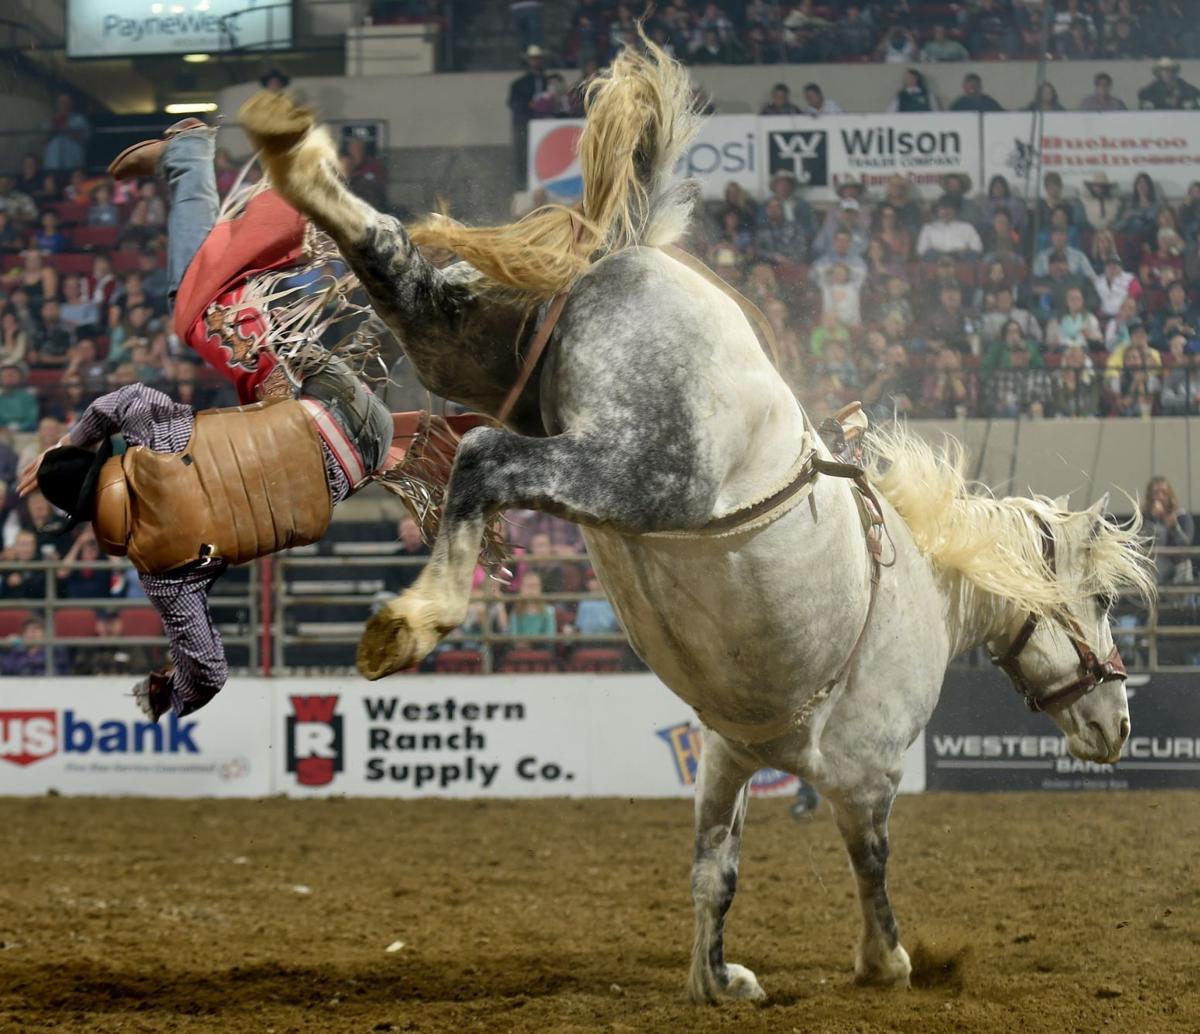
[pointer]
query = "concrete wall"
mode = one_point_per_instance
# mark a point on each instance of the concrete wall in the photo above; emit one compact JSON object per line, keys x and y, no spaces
{"x":469,"y":109}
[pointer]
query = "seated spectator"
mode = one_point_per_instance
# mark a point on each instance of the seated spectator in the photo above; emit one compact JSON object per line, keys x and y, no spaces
{"x":909,"y":211}
{"x":26,"y":584}
{"x":805,"y":34}
{"x":1078,"y":44}
{"x":816,"y":103}
{"x":1074,"y":326}
{"x":1114,"y":285}
{"x":795,"y":208}
{"x":552,"y":102}
{"x":1116,"y":334}
{"x":1180,"y":386}
{"x":945,"y":274}
{"x":940,"y":47}
{"x":989,"y":29}
{"x":71,"y":400}
{"x":1077,"y":262}
{"x":16,"y":204}
{"x":828,"y":329}
{"x":102,"y":211}
{"x":38,"y":279}
{"x":1162,"y":267}
{"x":1046,"y":100}
{"x":973,"y":98}
{"x":1003,"y":242}
{"x":26,"y":655}
{"x":1175,"y":317}
{"x":52,"y":339}
{"x":732,"y":250}
{"x":737,"y":198}
{"x":915,"y":95}
{"x":780,"y":102}
{"x":844,"y":218}
{"x":1124,"y":41}
{"x":1189,"y":212}
{"x":1138,"y":341}
{"x":956,"y":187}
{"x":133,"y":324}
{"x":841,"y":292}
{"x":898,"y":47}
{"x":410,"y":545}
{"x":1138,"y":214}
{"x":532,"y":616}
{"x":50,"y":190}
{"x":1076,"y":386}
{"x":84,"y":362}
{"x":90,"y":583}
{"x":1053,"y":196}
{"x":842,"y":251}
{"x":1168,"y":92}
{"x":950,"y":324}
{"x":1002,"y":310}
{"x":895,"y":300}
{"x":1104,"y":247}
{"x":12,"y":240}
{"x":761,"y":285}
{"x":149,"y":211}
{"x":78,"y":312}
{"x":897,"y":240}
{"x":1100,"y":203}
{"x":29,"y":174}
{"x":1101,"y":98}
{"x":948,"y":235}
{"x":18,"y":404}
{"x":1049,"y":292}
{"x":853,"y":34}
{"x":1140,"y":384}
{"x":778,"y":241}
{"x":14,"y":342}
{"x":995,"y":276}
{"x":945,"y":391}
{"x":595,"y":616}
{"x":711,"y":49}
{"x":50,"y":239}
{"x":1166,"y":523}
{"x":102,"y":284}
{"x":1000,"y":199}
{"x":154,"y":279}
{"x":1013,"y":378}
{"x":893,"y":388}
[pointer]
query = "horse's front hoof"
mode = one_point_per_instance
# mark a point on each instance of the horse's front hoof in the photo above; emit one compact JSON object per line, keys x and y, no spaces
{"x":392,"y":641}
{"x":738,"y":983}
{"x":890,"y":970}
{"x":743,"y":985}
{"x":274,"y":121}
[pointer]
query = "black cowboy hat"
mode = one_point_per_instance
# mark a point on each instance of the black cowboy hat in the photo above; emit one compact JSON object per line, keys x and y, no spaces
{"x":67,"y":478}
{"x":274,"y":73}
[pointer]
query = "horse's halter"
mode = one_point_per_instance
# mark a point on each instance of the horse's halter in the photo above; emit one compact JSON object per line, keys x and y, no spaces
{"x":1092,"y":671}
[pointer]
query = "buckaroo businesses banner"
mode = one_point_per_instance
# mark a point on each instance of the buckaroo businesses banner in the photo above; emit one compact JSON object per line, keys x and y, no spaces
{"x":981,"y":737}
{"x":819,"y":152}
{"x":823,"y":152}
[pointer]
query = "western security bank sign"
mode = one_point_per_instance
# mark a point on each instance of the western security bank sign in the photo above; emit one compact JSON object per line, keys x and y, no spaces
{"x":819,"y":152}
{"x":132,"y":28}
{"x":823,"y":152}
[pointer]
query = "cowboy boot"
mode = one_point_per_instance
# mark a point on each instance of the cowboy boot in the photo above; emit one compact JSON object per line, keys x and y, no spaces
{"x":142,"y":159}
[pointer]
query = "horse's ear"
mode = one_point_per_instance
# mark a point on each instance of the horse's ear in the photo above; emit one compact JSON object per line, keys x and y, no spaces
{"x":1100,"y":506}
{"x":1063,"y":502}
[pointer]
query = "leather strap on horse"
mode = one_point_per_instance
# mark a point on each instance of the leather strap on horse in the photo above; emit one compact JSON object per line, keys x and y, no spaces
{"x":541,"y":339}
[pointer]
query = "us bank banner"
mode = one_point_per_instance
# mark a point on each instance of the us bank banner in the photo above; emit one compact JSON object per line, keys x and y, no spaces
{"x":135,"y":28}
{"x":981,"y":737}
{"x":820,"y":152}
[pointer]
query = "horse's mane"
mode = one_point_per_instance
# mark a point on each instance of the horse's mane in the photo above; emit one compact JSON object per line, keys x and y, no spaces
{"x":640,"y":116}
{"x":996,"y":543}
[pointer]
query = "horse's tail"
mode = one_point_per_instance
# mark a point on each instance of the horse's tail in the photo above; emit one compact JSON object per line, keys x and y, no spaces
{"x":640,"y":118}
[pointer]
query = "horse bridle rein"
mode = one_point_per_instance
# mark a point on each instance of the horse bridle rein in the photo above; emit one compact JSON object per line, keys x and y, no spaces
{"x":1092,"y":671}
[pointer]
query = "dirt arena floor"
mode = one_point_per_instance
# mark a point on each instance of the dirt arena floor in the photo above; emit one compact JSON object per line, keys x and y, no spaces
{"x":1074,"y":913}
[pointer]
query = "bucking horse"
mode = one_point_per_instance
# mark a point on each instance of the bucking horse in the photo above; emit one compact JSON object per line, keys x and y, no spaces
{"x":805,"y":610}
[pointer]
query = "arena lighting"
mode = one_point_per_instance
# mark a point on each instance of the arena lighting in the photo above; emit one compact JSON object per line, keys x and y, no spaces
{"x":190,"y":108}
{"x":197,"y":59}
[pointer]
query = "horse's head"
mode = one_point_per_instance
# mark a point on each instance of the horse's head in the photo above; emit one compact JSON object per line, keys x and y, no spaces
{"x":1064,"y":661}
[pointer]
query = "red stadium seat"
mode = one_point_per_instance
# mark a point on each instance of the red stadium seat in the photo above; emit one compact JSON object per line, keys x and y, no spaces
{"x":458,"y":662}
{"x":12,"y":621}
{"x":529,"y":660}
{"x":124,"y":261}
{"x":141,"y":622}
{"x":75,"y":622}
{"x":595,"y":658}
{"x":91,"y":237}
{"x":70,"y":212}
{"x":69,"y":262}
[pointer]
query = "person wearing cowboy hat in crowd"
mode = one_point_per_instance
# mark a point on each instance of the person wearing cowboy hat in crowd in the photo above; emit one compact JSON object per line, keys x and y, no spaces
{"x":1168,"y":92}
{"x":949,"y":234}
{"x":1100,"y":202}
{"x":909,"y":211}
{"x":845,"y":217}
{"x":274,"y":80}
{"x":795,"y":208}
{"x":1101,"y":98}
{"x":521,"y":92}
{"x":957,"y":187}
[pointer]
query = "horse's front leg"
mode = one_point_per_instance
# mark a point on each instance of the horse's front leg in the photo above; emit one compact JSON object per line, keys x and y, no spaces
{"x":580,"y":477}
{"x":862,"y":817}
{"x":721,"y":798}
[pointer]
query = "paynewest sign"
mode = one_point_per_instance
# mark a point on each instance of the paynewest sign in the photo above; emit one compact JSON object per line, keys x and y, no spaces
{"x":135,"y":28}
{"x":829,"y":150}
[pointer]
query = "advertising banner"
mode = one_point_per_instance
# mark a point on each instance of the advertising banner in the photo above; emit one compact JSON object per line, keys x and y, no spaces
{"x":1080,"y":144}
{"x":85,"y":736}
{"x":981,"y":737}
{"x":135,"y":28}
{"x":820,"y":152}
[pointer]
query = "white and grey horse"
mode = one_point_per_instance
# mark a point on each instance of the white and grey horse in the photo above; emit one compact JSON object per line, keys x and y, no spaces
{"x":654,"y":420}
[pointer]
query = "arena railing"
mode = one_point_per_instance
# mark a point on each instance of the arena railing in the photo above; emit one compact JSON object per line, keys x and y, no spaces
{"x":268,"y":633}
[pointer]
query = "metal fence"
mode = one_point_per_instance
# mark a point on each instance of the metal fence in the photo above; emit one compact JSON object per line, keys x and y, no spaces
{"x":302,"y":614}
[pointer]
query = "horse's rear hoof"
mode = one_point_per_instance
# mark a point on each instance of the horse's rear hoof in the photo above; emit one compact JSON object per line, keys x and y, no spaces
{"x":395,"y":639}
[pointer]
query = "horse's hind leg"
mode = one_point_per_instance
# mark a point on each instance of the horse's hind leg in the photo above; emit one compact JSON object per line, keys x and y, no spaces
{"x":862,"y":819}
{"x":721,"y":797}
{"x":584,"y":478}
